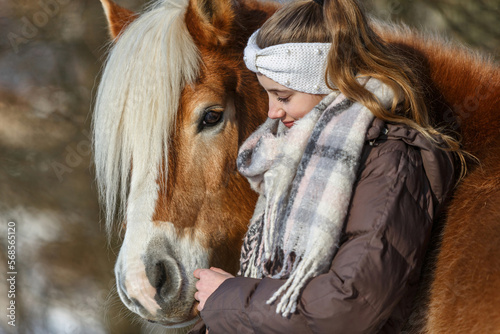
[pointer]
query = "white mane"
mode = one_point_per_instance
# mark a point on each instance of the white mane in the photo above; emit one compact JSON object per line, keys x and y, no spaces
{"x":137,"y":102}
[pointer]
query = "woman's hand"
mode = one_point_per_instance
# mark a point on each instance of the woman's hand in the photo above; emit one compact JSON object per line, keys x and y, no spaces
{"x":209,"y":281}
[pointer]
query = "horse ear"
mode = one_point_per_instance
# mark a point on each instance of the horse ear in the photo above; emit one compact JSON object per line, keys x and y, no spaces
{"x":118,"y":17}
{"x":210,"y":21}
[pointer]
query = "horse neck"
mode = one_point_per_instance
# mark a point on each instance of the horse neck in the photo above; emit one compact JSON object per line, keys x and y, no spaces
{"x":464,"y":87}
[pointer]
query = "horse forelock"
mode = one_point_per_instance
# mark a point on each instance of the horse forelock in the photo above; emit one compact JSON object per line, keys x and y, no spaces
{"x":137,"y":103}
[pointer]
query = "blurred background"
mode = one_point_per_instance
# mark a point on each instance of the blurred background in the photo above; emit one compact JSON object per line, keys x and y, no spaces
{"x":51,"y":53}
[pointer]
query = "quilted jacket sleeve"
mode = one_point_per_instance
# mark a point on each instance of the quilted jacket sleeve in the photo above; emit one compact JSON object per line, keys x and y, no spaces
{"x":374,"y":273}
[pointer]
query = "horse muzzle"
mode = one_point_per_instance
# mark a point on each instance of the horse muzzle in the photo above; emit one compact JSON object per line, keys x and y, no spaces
{"x":156,"y":280}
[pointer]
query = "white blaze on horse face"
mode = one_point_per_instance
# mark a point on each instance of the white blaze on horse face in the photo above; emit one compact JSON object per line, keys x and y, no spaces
{"x":154,"y":270}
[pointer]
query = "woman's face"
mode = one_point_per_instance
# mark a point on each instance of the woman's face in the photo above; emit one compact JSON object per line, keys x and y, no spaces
{"x":287,"y":104}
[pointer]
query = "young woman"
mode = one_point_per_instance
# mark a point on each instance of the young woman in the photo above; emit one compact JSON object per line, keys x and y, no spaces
{"x":351,"y":175}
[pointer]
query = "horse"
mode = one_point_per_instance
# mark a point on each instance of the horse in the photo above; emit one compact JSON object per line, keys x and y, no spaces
{"x":175,"y":102}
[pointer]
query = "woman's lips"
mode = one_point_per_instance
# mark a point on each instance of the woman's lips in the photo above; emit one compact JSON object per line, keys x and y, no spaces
{"x":288,"y":124}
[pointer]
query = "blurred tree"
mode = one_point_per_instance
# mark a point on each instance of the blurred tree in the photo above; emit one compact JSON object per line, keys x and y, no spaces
{"x":474,"y":23}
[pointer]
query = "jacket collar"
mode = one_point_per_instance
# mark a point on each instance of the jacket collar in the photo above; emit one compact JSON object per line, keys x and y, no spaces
{"x":375,"y":129}
{"x":438,"y":164}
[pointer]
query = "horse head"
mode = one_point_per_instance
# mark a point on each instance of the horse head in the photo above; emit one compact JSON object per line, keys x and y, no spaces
{"x":174,"y":103}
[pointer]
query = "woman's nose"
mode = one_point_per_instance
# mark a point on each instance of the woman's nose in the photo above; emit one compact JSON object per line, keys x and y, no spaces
{"x":275,"y":110}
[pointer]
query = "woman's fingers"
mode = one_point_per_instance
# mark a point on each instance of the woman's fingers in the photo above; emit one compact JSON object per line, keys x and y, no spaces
{"x":220,"y":271}
{"x":208,"y":281}
{"x":197,"y":272}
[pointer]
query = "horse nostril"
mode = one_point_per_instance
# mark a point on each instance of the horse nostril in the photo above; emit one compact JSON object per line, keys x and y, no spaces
{"x":164,"y":276}
{"x":160,"y":275}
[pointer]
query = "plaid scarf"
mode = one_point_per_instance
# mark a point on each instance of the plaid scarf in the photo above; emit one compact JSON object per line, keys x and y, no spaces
{"x":304,"y":176}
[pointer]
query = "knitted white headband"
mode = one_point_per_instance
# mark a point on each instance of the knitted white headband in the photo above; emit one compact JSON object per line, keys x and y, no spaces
{"x":298,"y":66}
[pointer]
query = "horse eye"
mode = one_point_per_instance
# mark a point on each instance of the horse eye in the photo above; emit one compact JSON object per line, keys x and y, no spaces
{"x":212,"y":117}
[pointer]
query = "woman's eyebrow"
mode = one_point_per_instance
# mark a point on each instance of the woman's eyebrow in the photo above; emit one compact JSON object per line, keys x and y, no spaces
{"x":276,"y":90}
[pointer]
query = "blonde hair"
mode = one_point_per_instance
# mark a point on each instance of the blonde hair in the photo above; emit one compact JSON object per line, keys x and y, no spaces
{"x":357,"y":51}
{"x":137,"y":102}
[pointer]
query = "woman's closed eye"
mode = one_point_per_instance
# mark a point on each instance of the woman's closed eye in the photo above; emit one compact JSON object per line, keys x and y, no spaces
{"x":283,"y":99}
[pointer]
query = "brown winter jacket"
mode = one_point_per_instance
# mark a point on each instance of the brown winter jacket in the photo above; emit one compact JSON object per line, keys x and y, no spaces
{"x":402,"y":183}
